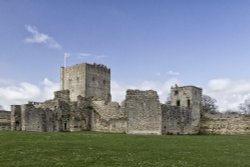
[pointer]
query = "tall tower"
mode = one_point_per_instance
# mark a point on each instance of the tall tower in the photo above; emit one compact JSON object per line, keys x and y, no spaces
{"x":188,"y":97}
{"x":87,"y":80}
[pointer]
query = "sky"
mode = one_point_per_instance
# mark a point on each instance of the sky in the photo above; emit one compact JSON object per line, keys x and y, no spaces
{"x":148,"y":44}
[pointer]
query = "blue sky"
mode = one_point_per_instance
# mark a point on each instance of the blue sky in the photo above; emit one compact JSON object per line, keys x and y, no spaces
{"x":148,"y":44}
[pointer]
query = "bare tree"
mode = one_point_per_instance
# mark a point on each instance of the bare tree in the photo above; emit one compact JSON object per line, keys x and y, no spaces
{"x":168,"y":101}
{"x":245,"y":107}
{"x":1,"y":107}
{"x":209,"y":104}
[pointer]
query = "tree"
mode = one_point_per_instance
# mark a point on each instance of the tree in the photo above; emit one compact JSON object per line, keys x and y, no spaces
{"x":209,"y":104}
{"x":245,"y":107}
{"x":1,"y":107}
{"x":168,"y":101}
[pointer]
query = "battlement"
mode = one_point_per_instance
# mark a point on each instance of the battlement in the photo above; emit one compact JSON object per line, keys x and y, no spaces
{"x":99,"y":67}
{"x":185,"y":87}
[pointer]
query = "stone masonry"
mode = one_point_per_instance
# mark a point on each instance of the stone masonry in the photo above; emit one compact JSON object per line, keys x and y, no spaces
{"x":225,"y":123}
{"x":84,"y":104}
{"x":187,"y":99}
{"x":87,"y":80}
{"x":144,"y":112}
{"x":5,"y":120}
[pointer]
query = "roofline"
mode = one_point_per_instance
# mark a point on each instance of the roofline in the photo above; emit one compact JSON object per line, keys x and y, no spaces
{"x":186,"y":87}
{"x":87,"y":64}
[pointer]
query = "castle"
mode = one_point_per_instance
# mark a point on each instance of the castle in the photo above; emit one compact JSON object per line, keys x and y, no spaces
{"x":84,"y":104}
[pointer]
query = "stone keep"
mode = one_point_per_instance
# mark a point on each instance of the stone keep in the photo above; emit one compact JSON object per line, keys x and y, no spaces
{"x":87,"y":80}
{"x":188,"y":97}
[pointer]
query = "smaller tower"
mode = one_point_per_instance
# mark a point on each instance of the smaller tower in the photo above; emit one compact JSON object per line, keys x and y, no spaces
{"x":188,"y":97}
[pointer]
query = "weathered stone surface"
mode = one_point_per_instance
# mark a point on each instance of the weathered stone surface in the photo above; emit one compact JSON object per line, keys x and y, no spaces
{"x":108,"y":117}
{"x":5,"y":120}
{"x":144,"y":112}
{"x":86,"y":80}
{"x":225,"y":123}
{"x":176,"y":120}
{"x":16,"y":117}
{"x":189,"y":98}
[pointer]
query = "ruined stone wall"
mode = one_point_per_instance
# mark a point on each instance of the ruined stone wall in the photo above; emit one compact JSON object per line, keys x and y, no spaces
{"x":144,"y":112}
{"x":176,"y":120}
{"x":225,"y":123}
{"x":80,"y":115}
{"x":4,"y":120}
{"x":42,"y":117}
{"x":16,"y":121}
{"x":108,"y":117}
{"x":31,"y":118}
{"x":74,"y":79}
{"x":98,"y":82}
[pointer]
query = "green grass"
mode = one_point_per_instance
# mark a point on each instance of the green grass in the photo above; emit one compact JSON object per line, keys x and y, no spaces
{"x":101,"y":149}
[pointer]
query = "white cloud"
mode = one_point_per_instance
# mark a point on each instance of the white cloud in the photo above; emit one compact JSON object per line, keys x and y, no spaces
{"x":100,"y":56}
{"x":86,"y":56}
{"x":48,"y":88}
{"x":41,"y":38}
{"x":23,"y":92}
{"x":81,"y":55}
{"x":219,"y":84}
{"x":173,"y":73}
{"x":118,"y":90}
{"x":228,"y":93}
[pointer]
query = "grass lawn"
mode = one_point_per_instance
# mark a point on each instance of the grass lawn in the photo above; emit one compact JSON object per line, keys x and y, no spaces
{"x":101,"y":149}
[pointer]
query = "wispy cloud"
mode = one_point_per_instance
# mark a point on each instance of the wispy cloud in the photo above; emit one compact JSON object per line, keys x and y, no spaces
{"x":41,"y":38}
{"x":100,"y":56}
{"x":80,"y":55}
{"x":173,"y":73}
{"x":85,"y":55}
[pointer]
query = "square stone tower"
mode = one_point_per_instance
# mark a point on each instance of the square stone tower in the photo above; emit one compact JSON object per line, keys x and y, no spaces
{"x":188,"y":97}
{"x":87,"y":80}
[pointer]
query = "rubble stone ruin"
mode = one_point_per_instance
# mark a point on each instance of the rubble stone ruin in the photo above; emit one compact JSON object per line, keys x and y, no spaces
{"x":84,"y":104}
